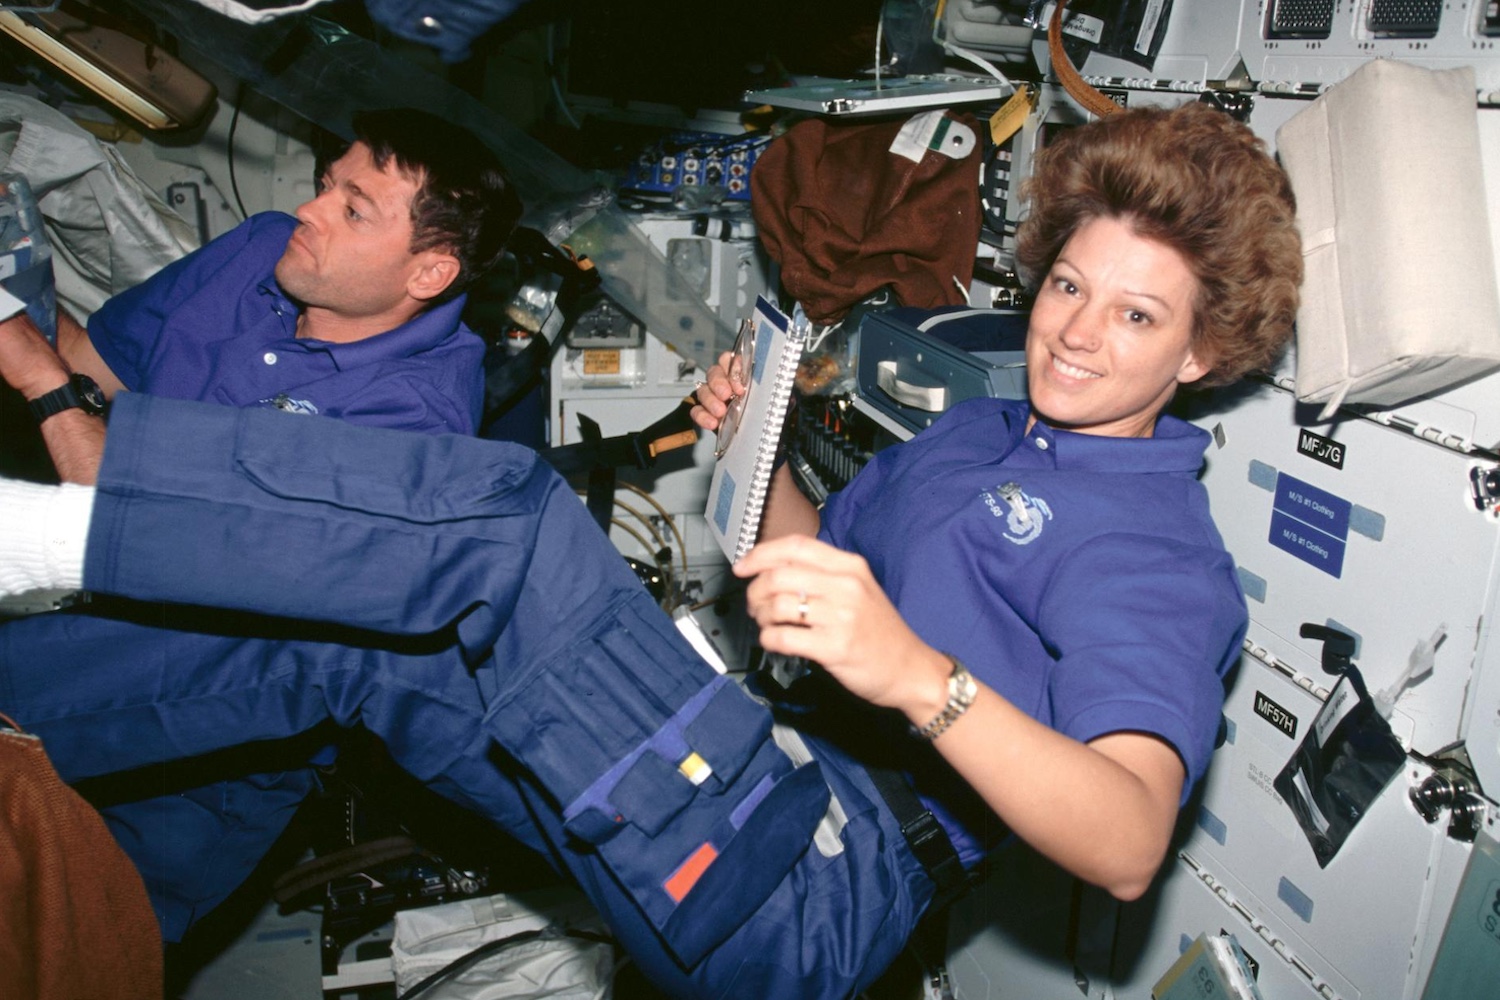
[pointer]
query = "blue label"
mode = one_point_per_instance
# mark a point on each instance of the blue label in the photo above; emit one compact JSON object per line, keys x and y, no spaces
{"x":1313,"y":506}
{"x":1314,"y":547}
{"x":1298,"y":901}
{"x":1212,"y":825}
{"x":724,"y":504}
{"x":763,"y":338}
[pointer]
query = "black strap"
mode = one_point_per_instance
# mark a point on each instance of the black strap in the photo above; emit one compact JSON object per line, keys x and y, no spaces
{"x":924,"y":835}
{"x":351,"y":860}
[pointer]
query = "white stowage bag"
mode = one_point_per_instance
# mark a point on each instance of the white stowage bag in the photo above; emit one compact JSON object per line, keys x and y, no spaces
{"x":553,"y":965}
{"x":1399,"y":299}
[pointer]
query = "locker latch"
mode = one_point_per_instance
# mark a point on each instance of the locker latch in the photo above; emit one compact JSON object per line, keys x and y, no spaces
{"x":1454,"y":787}
{"x":1484,"y":485}
{"x":1338,"y":647}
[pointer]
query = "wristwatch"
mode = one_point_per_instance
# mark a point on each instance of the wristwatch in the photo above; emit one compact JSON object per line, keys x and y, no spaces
{"x":79,"y":390}
{"x":962,"y":690}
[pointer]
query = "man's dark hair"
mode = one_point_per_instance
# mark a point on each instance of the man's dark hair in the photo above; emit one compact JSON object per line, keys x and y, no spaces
{"x":465,"y":204}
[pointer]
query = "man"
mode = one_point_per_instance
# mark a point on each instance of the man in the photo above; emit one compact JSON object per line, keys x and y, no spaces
{"x":351,"y":310}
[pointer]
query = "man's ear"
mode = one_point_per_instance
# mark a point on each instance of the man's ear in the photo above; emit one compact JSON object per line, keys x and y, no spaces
{"x":434,"y":272}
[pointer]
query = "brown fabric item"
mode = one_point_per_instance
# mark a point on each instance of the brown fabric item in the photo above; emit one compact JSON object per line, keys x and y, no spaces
{"x":75,"y":923}
{"x":845,"y":216}
{"x":1092,"y":100}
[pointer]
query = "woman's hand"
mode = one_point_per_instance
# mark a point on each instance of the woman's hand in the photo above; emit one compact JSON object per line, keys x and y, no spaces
{"x":714,"y":394}
{"x":1103,"y":810}
{"x":813,"y":600}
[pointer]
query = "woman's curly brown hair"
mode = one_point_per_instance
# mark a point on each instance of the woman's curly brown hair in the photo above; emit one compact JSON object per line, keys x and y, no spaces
{"x":1201,"y":183}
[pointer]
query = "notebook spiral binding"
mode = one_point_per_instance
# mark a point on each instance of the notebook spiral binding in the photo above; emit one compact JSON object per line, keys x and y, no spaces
{"x":782,"y":382}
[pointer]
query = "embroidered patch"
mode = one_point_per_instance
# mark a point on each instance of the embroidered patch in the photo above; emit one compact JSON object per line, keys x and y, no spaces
{"x":1023,"y":514}
{"x":286,"y":403}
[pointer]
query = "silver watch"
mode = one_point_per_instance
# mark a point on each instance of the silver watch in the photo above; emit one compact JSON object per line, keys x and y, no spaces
{"x":962,"y":690}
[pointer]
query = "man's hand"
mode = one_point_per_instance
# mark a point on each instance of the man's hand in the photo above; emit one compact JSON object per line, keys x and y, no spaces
{"x":27,"y":362}
{"x":75,"y":440}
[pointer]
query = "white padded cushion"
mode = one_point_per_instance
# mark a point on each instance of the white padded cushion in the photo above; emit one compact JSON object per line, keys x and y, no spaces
{"x":1400,"y":295}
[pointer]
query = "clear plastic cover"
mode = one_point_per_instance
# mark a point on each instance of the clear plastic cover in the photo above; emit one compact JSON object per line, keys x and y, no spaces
{"x":25,"y":254}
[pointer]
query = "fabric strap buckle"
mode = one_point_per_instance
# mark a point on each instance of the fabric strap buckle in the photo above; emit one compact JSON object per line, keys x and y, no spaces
{"x":924,"y":835}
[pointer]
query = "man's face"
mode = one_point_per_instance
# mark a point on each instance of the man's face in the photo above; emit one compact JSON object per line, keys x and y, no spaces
{"x":352,"y":253}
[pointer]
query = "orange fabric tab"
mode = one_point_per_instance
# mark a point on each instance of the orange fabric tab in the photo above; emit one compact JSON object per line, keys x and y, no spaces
{"x":687,"y":875}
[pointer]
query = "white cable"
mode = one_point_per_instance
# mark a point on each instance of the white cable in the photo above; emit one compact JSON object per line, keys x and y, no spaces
{"x":982,"y":63}
{"x":665,"y":516}
{"x":817,"y":341}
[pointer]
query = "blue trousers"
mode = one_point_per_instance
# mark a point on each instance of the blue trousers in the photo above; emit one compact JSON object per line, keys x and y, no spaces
{"x":457,"y":600}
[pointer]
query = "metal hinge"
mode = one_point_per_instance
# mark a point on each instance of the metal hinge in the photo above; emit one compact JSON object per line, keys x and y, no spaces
{"x":1303,"y":681}
{"x":1262,"y":931}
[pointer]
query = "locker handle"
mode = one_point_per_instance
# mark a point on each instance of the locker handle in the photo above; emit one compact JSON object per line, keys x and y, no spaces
{"x":931,"y":398}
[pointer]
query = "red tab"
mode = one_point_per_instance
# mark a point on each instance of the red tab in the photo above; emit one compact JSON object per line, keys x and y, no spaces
{"x":685,"y":877}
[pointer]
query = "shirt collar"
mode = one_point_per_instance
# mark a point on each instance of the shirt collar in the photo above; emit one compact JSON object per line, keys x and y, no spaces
{"x":1176,"y":446}
{"x":424,"y":331}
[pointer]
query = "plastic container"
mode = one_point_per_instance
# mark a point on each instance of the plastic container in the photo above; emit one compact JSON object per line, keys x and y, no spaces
{"x":25,"y":254}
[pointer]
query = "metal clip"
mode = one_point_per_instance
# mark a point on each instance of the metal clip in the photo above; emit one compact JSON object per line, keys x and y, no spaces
{"x":1452,"y":786}
{"x":1011,"y":494}
{"x":1484,"y":484}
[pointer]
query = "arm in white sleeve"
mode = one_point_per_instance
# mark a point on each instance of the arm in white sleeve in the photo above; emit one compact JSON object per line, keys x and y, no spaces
{"x":43,"y":532}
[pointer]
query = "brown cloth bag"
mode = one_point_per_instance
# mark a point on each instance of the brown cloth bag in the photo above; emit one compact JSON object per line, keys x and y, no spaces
{"x":75,"y":923}
{"x":847,"y":208}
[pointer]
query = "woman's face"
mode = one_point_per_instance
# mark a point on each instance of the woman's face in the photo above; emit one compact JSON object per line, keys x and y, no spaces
{"x":1111,"y":332}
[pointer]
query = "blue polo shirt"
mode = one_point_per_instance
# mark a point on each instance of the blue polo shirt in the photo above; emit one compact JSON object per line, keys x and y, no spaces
{"x":215,"y":326}
{"x":1079,"y":576}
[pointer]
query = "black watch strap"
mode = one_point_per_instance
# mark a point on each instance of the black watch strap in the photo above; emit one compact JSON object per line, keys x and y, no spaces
{"x":79,"y":391}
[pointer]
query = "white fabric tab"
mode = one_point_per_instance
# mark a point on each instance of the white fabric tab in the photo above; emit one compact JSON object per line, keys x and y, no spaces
{"x":827,"y":838}
{"x":693,"y":632}
{"x":935,"y":131}
{"x":9,"y":305}
{"x":913,"y":139}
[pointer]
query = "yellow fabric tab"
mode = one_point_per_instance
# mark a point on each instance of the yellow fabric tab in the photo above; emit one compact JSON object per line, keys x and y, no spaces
{"x":695,"y":769}
{"x":1012,"y":114}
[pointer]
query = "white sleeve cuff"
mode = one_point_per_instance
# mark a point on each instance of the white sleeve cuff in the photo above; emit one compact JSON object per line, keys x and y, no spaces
{"x":43,"y":533}
{"x":68,"y":533}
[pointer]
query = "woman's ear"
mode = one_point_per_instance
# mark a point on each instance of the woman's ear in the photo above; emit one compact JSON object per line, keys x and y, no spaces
{"x":1192,"y":369}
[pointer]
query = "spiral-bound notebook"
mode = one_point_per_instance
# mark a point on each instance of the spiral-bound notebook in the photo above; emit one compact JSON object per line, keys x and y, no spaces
{"x":766,"y":356}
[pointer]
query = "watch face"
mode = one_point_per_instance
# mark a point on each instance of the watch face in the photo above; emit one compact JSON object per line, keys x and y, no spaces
{"x":90,"y":396}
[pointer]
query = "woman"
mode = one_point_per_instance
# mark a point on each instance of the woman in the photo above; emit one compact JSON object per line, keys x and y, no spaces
{"x":1061,"y":551}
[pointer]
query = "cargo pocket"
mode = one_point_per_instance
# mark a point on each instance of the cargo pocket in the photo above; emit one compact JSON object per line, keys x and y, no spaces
{"x":703,"y":819}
